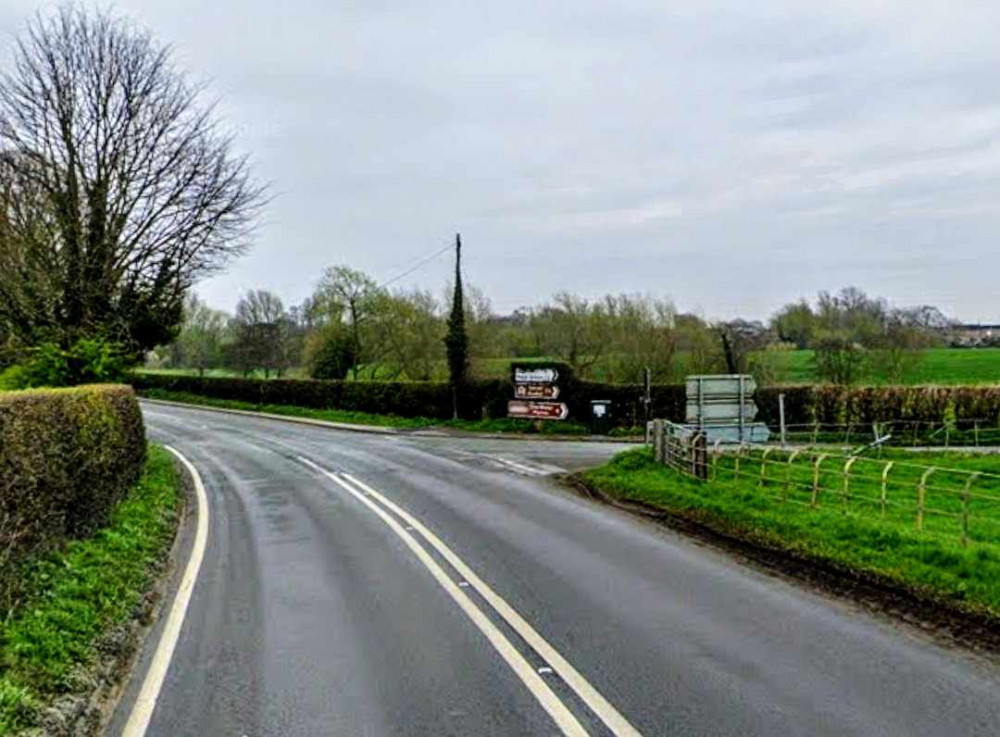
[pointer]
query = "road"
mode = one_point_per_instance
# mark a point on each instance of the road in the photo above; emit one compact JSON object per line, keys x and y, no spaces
{"x":367,"y":585}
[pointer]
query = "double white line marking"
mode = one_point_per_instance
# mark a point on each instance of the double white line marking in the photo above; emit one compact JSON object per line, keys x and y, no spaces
{"x":564,"y":718}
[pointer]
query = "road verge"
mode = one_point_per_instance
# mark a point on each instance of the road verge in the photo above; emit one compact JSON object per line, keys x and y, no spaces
{"x":68,"y":648}
{"x":815,"y":552}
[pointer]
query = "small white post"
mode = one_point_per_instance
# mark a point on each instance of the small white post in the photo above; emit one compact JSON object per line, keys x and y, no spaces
{"x":781,"y":416}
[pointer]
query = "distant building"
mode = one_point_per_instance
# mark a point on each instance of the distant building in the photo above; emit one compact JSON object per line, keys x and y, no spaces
{"x":974,"y":335}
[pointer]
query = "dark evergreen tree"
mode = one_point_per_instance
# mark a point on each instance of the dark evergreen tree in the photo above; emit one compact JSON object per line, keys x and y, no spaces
{"x":457,"y":340}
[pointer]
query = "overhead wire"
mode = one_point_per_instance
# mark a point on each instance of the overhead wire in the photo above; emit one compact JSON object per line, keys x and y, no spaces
{"x":416,"y":266}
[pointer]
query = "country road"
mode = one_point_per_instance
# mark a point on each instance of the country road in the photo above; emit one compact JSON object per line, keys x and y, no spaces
{"x":359,"y":584}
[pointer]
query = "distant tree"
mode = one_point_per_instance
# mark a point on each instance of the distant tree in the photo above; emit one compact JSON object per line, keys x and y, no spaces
{"x":456,"y":340}
{"x":699,"y":344}
{"x":795,"y":323}
{"x":573,"y":330}
{"x":330,"y":353}
{"x":739,"y":340}
{"x":641,"y":335}
{"x":349,"y":296}
{"x":119,"y":190}
{"x":200,"y":342}
{"x":261,"y":325}
{"x":837,"y":357}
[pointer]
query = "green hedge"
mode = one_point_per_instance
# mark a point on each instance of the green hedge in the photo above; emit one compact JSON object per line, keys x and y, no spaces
{"x":480,"y":399}
{"x":67,"y":457}
{"x":828,"y":404}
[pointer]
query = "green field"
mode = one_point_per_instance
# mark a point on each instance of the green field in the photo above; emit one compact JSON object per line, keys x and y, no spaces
{"x":848,"y":529}
{"x":946,"y":366}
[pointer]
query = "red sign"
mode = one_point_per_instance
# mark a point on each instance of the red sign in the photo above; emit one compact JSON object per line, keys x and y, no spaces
{"x":537,"y":410}
{"x":536,"y":391}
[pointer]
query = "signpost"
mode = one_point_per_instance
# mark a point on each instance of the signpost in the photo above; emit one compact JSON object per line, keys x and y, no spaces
{"x":536,"y":375}
{"x":535,"y":390}
{"x":537,"y":410}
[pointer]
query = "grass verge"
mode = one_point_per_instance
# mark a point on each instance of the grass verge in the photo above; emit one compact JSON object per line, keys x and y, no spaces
{"x":498,"y":425}
{"x":931,"y":565}
{"x":81,"y":594}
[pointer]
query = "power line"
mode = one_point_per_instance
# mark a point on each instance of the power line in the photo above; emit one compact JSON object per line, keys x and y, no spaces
{"x":417,"y":266}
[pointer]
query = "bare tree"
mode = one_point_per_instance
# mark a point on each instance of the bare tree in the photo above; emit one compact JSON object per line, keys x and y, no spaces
{"x":346,"y":293}
{"x":121,"y":190}
{"x":261,"y":328}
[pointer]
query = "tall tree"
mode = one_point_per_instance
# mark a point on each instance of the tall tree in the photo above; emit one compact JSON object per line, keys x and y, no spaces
{"x":120,"y":189}
{"x":344,"y":293}
{"x":457,"y":339}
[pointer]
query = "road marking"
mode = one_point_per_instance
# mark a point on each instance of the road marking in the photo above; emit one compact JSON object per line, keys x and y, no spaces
{"x":611,"y":717}
{"x":535,"y":469}
{"x":562,"y":716}
{"x":145,"y":702}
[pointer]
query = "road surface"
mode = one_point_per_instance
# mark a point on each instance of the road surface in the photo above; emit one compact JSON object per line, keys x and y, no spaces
{"x":368,"y":585}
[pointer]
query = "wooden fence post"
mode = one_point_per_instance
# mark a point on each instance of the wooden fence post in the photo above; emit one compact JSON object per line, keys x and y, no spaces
{"x":716,"y":452}
{"x":659,"y":454}
{"x":921,"y":496}
{"x":885,"y":483}
{"x":815,"y":494}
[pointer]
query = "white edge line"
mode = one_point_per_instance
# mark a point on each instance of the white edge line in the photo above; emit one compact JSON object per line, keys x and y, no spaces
{"x":567,"y":723}
{"x":145,"y":703}
{"x":608,"y":714}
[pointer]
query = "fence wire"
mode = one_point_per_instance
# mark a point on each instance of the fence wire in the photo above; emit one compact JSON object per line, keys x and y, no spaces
{"x":936,"y":499}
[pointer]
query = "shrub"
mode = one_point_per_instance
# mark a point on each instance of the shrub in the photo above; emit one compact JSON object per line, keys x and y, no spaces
{"x":88,"y":361}
{"x":67,"y":457}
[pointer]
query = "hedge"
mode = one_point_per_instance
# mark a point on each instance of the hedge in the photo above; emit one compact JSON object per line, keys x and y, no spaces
{"x":479,"y":399}
{"x":804,"y":403}
{"x":67,"y":457}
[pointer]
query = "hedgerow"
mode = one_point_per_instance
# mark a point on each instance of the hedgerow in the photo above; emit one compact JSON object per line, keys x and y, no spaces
{"x":67,"y":457}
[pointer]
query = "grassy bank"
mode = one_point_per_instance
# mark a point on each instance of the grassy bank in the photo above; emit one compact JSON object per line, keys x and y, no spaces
{"x":80,"y":595}
{"x":932,"y":562}
{"x":498,"y":425}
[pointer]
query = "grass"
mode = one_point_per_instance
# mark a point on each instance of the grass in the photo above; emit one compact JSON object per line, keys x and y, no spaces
{"x":851,"y":534}
{"x":945,"y":366}
{"x":81,"y":593}
{"x":497,"y":425}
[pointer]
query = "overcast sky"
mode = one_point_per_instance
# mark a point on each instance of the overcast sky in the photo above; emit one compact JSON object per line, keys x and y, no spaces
{"x":730,"y":155}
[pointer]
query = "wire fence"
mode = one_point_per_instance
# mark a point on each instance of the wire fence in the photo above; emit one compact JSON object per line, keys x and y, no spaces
{"x":936,"y":500}
{"x":964,"y":432}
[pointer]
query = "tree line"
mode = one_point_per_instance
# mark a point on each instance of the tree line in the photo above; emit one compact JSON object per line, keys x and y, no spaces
{"x":350,"y":327}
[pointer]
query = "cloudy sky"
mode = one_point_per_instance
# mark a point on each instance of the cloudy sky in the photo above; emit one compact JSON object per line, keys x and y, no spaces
{"x":729,"y":155}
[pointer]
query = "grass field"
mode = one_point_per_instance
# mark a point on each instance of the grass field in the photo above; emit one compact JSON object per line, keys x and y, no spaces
{"x":946,"y":366}
{"x":80,"y":594}
{"x":848,"y":529}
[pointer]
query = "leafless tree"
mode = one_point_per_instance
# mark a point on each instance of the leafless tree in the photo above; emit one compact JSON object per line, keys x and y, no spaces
{"x":261,"y":329}
{"x":119,"y":190}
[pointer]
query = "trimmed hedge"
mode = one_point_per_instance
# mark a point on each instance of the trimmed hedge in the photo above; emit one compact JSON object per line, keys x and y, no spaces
{"x":804,"y":404}
{"x":479,"y":399}
{"x":67,"y":457}
{"x":828,"y":404}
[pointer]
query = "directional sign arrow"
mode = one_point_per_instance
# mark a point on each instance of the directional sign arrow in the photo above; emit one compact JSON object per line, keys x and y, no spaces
{"x":537,"y":410}
{"x":720,"y":411}
{"x":536,"y":391}
{"x":535,"y":376}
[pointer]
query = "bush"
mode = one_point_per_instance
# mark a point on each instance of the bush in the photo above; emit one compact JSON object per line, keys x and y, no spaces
{"x":67,"y":457}
{"x":88,"y":361}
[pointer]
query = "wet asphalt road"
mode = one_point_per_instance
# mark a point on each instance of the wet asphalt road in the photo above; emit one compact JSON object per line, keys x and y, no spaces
{"x":312,"y":616}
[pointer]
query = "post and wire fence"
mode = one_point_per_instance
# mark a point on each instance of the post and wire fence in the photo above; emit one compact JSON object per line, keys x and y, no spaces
{"x":962,"y":504}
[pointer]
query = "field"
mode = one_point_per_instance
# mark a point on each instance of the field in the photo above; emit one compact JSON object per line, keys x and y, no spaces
{"x":946,"y":366}
{"x":849,"y":529}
